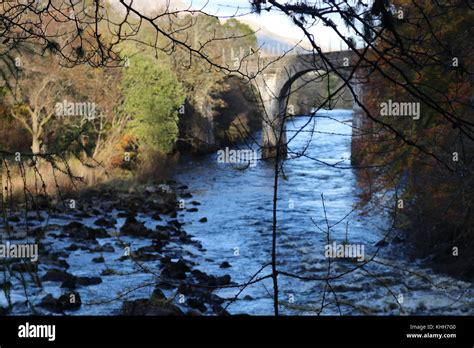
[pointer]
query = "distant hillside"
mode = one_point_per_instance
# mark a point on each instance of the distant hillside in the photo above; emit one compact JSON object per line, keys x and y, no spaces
{"x":271,"y":43}
{"x":274,"y":44}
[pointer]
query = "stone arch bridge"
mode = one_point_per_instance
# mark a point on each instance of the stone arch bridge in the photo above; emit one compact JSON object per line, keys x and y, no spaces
{"x":272,"y":78}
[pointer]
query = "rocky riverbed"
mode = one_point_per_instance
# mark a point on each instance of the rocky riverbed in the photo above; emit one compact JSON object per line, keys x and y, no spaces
{"x":110,"y":251}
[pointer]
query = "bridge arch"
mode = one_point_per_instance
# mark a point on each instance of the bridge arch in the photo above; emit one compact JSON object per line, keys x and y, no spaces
{"x":274,"y":87}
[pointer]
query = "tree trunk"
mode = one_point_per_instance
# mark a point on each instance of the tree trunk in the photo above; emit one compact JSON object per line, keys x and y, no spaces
{"x":36,"y":144}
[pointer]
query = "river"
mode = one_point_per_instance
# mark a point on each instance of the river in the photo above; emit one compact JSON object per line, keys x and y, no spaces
{"x":238,"y":206}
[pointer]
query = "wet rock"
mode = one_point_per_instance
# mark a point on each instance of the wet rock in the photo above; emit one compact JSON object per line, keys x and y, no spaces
{"x":107,"y":248}
{"x":156,"y":217}
{"x":166,"y":286}
{"x":69,"y":284}
{"x":14,"y":219}
{"x":57,"y":254}
{"x":108,"y":272}
{"x":175,"y":223}
{"x":203,"y":220}
{"x":99,"y":259}
{"x":103,"y":222}
{"x":145,"y":257}
{"x":388,"y":281}
{"x":202,"y":294}
{"x":70,"y":301}
{"x":73,"y":226}
{"x":346,"y":288}
{"x":72,"y":247}
{"x":51,"y":304}
{"x":225,"y":264}
{"x":224,"y":280}
{"x":133,"y":227}
{"x":421,"y":307}
{"x":166,"y":209}
{"x":62,"y":264}
{"x":163,"y":228}
{"x":35,"y":232}
{"x":196,"y":304}
{"x":83,"y":215}
{"x":393,"y":306}
{"x":210,"y":280}
{"x":163,"y":235}
{"x":56,"y":275}
{"x":176,"y":270}
{"x":154,"y":248}
{"x":79,"y":231}
{"x":144,"y":307}
{"x":219,"y":310}
{"x":184,"y":237}
{"x":158,"y":294}
{"x":86,"y":281}
{"x":53,"y":259}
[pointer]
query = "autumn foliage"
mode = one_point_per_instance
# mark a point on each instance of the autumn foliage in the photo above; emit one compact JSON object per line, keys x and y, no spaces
{"x":427,"y":163}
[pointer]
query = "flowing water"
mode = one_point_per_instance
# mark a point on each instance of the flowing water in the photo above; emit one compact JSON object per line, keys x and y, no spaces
{"x":238,"y":206}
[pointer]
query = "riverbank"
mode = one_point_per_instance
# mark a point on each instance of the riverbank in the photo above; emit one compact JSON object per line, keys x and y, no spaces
{"x":119,"y":251}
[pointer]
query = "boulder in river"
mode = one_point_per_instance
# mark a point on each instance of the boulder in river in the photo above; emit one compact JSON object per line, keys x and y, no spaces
{"x":99,"y":259}
{"x":56,"y":275}
{"x":145,"y":307}
{"x":77,"y":230}
{"x":86,"y":281}
{"x":196,"y":304}
{"x":68,"y":301}
{"x":133,"y":227}
{"x":225,"y":264}
{"x":210,"y":280}
{"x":103,"y":222}
{"x":176,"y":270}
